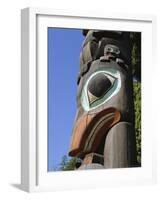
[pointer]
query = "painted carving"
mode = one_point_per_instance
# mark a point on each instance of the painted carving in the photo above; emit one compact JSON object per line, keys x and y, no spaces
{"x":103,"y":133}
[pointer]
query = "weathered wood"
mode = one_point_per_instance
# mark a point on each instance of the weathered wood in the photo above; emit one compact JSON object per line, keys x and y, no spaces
{"x":104,"y":123}
{"x":119,"y":146}
{"x":93,"y":158}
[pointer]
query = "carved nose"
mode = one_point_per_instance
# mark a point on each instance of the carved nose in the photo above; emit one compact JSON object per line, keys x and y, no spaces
{"x":99,"y":85}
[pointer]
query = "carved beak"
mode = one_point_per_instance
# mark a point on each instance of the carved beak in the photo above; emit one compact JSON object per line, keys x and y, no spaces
{"x":90,"y":129}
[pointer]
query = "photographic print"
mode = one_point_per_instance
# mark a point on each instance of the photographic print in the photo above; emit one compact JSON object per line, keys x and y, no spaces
{"x":94,"y":99}
{"x":86,"y":108}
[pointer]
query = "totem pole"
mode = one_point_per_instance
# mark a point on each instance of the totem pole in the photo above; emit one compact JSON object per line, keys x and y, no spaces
{"x":103,"y":133}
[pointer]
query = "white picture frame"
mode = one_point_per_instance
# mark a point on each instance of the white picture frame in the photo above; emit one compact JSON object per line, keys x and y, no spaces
{"x":34,"y":175}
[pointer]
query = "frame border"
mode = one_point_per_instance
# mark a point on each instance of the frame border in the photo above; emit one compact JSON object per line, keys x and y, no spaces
{"x":29,"y":172}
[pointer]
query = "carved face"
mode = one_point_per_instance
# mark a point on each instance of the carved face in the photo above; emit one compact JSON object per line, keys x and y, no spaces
{"x":103,"y":97}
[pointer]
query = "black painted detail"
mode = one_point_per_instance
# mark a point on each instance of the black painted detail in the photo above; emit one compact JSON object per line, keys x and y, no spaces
{"x":99,"y":85}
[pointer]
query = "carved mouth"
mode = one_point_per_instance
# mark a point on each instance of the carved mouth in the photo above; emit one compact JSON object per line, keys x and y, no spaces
{"x":90,"y":129}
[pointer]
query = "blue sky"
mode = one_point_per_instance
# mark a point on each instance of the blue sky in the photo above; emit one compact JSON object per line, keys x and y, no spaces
{"x":64,"y":46}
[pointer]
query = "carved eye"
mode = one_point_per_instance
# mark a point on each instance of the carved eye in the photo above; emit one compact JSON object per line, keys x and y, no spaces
{"x":98,"y":86}
{"x":117,"y":51}
{"x":111,"y":49}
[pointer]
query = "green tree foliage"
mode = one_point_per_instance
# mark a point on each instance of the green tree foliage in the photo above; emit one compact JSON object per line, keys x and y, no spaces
{"x":136,"y":55}
{"x":68,"y":164}
{"x":137,"y":107}
{"x":136,"y":70}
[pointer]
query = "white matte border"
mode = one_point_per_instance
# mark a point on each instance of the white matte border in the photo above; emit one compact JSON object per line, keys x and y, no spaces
{"x":92,"y":178}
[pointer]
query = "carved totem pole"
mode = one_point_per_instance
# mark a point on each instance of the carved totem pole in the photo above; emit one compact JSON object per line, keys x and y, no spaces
{"x":103,"y":133}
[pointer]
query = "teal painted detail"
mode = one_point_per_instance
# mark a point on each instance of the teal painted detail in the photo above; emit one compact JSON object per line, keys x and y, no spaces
{"x":107,"y":96}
